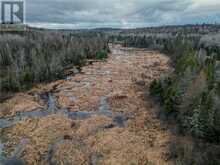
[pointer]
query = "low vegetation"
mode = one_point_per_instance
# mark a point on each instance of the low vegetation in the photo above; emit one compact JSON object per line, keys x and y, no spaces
{"x":103,"y":54}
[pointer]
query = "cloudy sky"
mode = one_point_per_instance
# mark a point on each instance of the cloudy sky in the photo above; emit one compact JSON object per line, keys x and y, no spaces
{"x":120,"y":13}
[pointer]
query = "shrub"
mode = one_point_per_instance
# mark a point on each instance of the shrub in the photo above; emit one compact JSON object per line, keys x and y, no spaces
{"x":156,"y":88}
{"x":102,"y":55}
{"x":167,"y":93}
{"x":187,"y":151}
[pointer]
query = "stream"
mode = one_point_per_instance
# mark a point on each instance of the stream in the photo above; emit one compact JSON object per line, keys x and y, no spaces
{"x":52,"y":108}
{"x":104,"y":110}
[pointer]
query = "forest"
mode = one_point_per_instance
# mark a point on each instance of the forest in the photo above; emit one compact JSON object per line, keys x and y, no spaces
{"x":36,"y":56}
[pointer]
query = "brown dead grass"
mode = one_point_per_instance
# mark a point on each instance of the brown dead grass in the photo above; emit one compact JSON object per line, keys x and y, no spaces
{"x":142,"y":141}
{"x":19,"y":103}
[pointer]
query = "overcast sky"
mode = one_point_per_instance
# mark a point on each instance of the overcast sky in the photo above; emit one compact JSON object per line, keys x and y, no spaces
{"x":120,"y":13}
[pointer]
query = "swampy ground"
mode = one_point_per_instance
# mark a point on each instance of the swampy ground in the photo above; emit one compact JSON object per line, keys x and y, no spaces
{"x":102,"y":116}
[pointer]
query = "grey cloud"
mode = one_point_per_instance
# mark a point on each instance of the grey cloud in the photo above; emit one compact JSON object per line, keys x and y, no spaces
{"x":115,"y":13}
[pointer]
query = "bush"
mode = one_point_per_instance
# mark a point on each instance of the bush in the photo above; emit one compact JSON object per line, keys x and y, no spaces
{"x":102,"y":55}
{"x":187,"y":151}
{"x":156,"y":89}
{"x":167,"y":93}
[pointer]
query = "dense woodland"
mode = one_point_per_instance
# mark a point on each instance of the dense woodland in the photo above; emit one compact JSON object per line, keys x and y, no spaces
{"x":38,"y":55}
{"x":190,"y":96}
